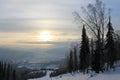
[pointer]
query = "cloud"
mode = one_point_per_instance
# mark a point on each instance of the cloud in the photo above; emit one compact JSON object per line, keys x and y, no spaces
{"x":38,"y":8}
{"x":15,"y":15}
{"x":16,"y":26}
{"x":34,"y":15}
{"x":55,"y":43}
{"x":27,"y":25}
{"x":35,"y":54}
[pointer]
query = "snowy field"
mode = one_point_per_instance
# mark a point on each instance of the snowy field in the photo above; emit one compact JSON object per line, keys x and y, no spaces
{"x":109,"y":75}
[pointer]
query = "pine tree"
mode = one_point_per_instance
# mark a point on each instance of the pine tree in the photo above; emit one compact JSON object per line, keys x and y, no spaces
{"x":97,"y":62}
{"x":110,"y":46}
{"x":91,"y":52}
{"x":8,"y":72}
{"x":84,"y":52}
{"x":4,"y":70}
{"x":14,"y":75}
{"x":70,"y":62}
{"x":1,"y":70}
{"x":75,"y":59}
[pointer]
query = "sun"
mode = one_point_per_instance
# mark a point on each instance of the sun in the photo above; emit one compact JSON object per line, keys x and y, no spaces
{"x":45,"y":36}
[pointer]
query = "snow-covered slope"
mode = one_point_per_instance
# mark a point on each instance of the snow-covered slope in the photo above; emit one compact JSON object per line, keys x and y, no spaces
{"x":109,"y":75}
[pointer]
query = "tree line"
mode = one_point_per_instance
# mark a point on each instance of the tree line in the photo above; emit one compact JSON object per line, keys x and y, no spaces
{"x":93,"y":56}
{"x":7,"y":71}
{"x":101,"y":52}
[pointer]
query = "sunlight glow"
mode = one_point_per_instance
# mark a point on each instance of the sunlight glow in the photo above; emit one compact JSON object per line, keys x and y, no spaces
{"x":45,"y":36}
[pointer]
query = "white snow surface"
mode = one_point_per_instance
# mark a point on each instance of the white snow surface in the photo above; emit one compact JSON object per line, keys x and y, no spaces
{"x":108,"y":75}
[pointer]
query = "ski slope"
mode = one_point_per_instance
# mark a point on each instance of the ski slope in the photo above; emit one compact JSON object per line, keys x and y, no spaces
{"x":108,"y":75}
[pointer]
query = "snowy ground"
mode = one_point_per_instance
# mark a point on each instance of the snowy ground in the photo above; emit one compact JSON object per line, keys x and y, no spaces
{"x":109,"y":75}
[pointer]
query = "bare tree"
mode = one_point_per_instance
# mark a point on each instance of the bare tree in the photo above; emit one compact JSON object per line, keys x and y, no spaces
{"x":95,"y":18}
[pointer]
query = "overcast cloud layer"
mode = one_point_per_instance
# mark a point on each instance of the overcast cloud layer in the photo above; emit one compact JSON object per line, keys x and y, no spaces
{"x":21,"y":22}
{"x":28,"y":15}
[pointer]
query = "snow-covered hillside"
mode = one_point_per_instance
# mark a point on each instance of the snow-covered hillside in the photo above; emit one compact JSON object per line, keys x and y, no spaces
{"x":109,"y":75}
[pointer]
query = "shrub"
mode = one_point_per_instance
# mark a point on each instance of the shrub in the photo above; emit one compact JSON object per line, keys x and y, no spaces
{"x":58,"y":72}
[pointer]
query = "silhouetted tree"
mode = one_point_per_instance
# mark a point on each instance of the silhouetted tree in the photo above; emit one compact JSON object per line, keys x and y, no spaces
{"x":84,"y":52}
{"x":98,"y":57}
{"x":8,"y":72}
{"x":70,"y":62}
{"x":110,"y":46}
{"x":4,"y":70}
{"x":75,"y":59}
{"x":117,"y":44}
{"x":14,"y":75}
{"x":91,"y":52}
{"x":95,"y":20}
{"x":1,"y":70}
{"x":96,"y":62}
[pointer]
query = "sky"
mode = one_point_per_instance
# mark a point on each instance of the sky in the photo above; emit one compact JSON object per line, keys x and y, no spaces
{"x":27,"y":18}
{"x":42,"y":23}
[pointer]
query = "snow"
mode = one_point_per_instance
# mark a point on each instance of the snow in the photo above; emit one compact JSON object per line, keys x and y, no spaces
{"x":108,"y":75}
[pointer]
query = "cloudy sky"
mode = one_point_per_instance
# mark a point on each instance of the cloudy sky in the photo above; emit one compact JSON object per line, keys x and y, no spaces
{"x":25,"y":20}
{"x":38,"y":29}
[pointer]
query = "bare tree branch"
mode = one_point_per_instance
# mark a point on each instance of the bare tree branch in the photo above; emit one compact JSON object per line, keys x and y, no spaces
{"x":95,"y":18}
